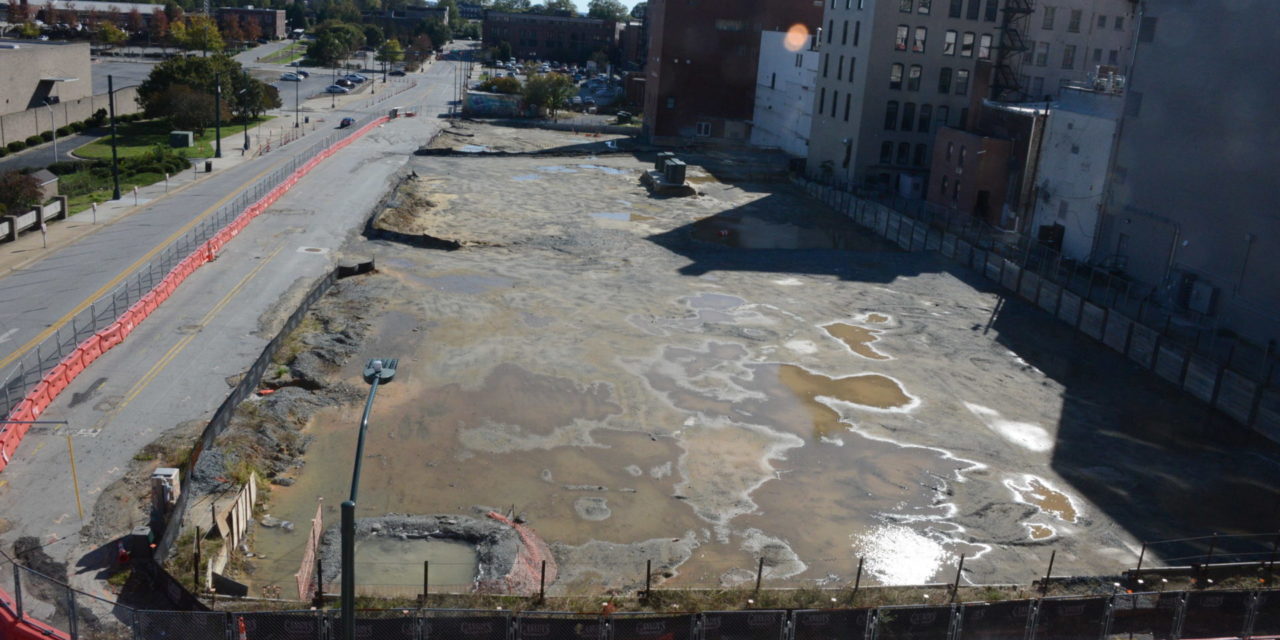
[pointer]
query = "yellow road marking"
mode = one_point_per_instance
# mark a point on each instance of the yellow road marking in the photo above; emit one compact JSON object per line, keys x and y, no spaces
{"x":177,"y":348}
{"x":93,"y":297}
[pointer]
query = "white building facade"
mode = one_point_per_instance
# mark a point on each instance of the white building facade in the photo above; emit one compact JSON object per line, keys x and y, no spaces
{"x":785,"y":80}
{"x":1075,"y":157}
{"x":1068,"y":40}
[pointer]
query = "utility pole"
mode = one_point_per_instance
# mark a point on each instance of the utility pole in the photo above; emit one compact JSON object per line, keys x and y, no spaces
{"x":115,"y":160}
{"x":217,"y":118}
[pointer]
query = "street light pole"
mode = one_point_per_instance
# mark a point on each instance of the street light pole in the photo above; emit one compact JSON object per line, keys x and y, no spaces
{"x":53,"y":128}
{"x":377,"y":371}
{"x":217,"y":118}
{"x":115,"y":160}
{"x":296,"y":117}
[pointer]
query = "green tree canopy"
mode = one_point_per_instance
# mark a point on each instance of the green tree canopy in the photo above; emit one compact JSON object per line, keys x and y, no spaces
{"x":638,"y":12}
{"x":455,"y":17}
{"x":334,"y":42}
{"x":607,"y":9}
{"x":18,"y":192}
{"x":109,"y":33}
{"x":511,"y":6}
{"x":438,"y":31}
{"x":391,"y":52}
{"x":373,"y":36}
{"x":548,"y":91}
{"x":197,"y":33}
{"x":201,"y":75}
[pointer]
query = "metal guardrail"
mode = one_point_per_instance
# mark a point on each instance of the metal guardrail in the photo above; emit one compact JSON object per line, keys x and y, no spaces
{"x":31,"y":367}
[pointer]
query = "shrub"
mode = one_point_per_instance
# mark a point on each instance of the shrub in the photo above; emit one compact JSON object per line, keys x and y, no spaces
{"x":17,"y":145}
{"x":34,"y":140}
{"x":66,"y":167}
{"x":3,"y":152}
{"x":77,"y":126}
{"x":46,"y":135}
{"x":64,"y":131}
{"x":99,"y":117}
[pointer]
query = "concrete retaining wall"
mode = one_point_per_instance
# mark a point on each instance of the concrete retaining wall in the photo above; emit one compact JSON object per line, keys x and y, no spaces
{"x":32,"y":122}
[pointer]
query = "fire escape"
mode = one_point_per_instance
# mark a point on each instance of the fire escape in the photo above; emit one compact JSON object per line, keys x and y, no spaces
{"x":1005,"y":86}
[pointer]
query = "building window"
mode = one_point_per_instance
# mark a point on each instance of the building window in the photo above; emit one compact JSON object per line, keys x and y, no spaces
{"x":944,"y":115}
{"x":848,"y":4}
{"x":926,"y":113}
{"x":895,"y":76}
{"x":822,"y":99}
{"x":1042,"y":54}
{"x":900,"y":40}
{"x":966,"y":44}
{"x":1118,"y":23}
{"x":671,"y":103}
{"x":833,"y":4}
{"x":963,"y":152}
{"x":918,"y":160}
{"x":835,"y":99}
{"x":1049,"y":12}
{"x":1037,"y":86}
{"x":704,"y":129}
{"x":891,"y":115}
{"x":993,"y":9}
{"x":905,"y":6}
{"x":831,"y":27}
{"x":964,"y":117}
{"x":949,"y":43}
{"x":844,"y":33}
{"x":799,"y":60}
{"x":731,"y":25}
{"x":826,"y":64}
{"x":1075,"y":149}
{"x":918,"y":44}
{"x":1097,"y":56}
{"x":951,"y":149}
{"x":1073,"y":26}
{"x":1102,"y":21}
{"x":904,"y":152}
{"x":840,"y":68}
{"x":1113,"y":57}
{"x":984,"y":47}
{"x":962,"y":82}
{"x":955,"y":190}
{"x":857,"y":31}
{"x":924,"y":7}
{"x":943,"y":191}
{"x":847,"y":104}
{"x":957,"y":6}
{"x":886,"y":152}
{"x":773,"y":81}
{"x":848,"y":155}
{"x":944,"y":80}
{"x":851,"y":61}
{"x":913,"y":77}
{"x":908,"y":116}
{"x":1069,"y":56}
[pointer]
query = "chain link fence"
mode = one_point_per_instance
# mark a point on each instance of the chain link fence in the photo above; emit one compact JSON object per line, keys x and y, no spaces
{"x":31,"y":367}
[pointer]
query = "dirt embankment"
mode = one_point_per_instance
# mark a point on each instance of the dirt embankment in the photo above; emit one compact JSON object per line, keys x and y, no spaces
{"x":476,"y":138}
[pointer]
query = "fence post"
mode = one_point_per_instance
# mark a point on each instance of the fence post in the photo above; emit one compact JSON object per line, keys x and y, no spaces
{"x":72,"y":622}
{"x":542,"y":582}
{"x":955,"y":588}
{"x":857,"y":581}
{"x":17,"y":589}
{"x":426,"y":581}
{"x":1044,"y":585}
{"x":648,"y":576}
{"x":759,"y":573}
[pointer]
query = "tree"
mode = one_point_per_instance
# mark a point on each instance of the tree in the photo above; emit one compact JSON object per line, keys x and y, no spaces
{"x":159,"y":30}
{"x":197,"y":73}
{"x":231,"y":28}
{"x":455,"y":18}
{"x":607,"y":10}
{"x":640,"y":10}
{"x":511,"y":6}
{"x":197,"y":33}
{"x":188,"y":108}
{"x":29,"y":30}
{"x":556,"y":6}
{"x":17,"y":13}
{"x":373,"y":36}
{"x":251,"y":98}
{"x":135,"y":23}
{"x":108,"y":33}
{"x":390,"y":53}
{"x":504,"y":50}
{"x":296,"y":15}
{"x":438,"y":31}
{"x":252,"y":29}
{"x":19,"y":192}
{"x":334,"y":42}
{"x":548,"y":91}
{"x":173,"y":12}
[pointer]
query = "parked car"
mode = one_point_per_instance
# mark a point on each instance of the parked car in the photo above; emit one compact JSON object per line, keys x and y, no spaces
{"x":290,"y":77}
{"x":304,"y":74}
{"x":346,"y":122}
{"x":296,"y":63}
{"x":397,"y":72}
{"x":343,"y":82}
{"x":333,"y":88}
{"x":354,"y":77}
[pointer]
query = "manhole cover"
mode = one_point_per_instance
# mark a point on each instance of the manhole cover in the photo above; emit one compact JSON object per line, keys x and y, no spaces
{"x":312,"y":250}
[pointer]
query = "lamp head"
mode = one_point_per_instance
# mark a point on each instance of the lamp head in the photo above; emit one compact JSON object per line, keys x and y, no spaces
{"x":381,"y":369}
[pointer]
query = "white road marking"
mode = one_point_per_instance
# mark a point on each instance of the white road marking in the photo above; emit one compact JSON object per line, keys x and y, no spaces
{"x":4,"y":337}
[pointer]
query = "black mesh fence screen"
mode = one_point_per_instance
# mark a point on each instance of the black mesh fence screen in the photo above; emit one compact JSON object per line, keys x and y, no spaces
{"x":646,"y":627}
{"x":286,"y":625}
{"x":540,"y":626}
{"x":913,"y":623}
{"x":1071,"y":618}
{"x":1266,"y":617}
{"x":995,"y":621}
{"x":1144,"y":614}
{"x":743,"y":625}
{"x":466,"y":625}
{"x":182,"y":625}
{"x":1215,"y":614}
{"x":830,"y":624}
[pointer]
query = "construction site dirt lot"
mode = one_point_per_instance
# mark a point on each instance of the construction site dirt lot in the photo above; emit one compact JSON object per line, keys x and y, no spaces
{"x":706,"y":381}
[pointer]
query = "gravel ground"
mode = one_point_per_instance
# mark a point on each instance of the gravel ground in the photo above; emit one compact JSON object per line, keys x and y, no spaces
{"x":710,"y":380}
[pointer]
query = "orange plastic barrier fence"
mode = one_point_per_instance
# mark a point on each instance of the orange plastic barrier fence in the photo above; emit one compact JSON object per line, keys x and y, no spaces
{"x":57,"y":379}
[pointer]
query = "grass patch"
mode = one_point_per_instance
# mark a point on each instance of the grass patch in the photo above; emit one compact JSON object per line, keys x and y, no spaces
{"x":138,"y":138}
{"x":287,"y":54}
{"x":119,"y":578}
{"x":93,"y":189}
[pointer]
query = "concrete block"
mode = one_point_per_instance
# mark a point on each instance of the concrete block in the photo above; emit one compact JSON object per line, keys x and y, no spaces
{"x":1143,"y":341}
{"x":993,"y":267}
{"x":949,"y":245}
{"x":1201,"y":378}
{"x":1236,"y":395}
{"x":1009,"y":275}
{"x":1048,"y":297}
{"x":1116,"y":334}
{"x":1092,"y":320}
{"x":1171,"y":363}
{"x":1029,"y":286}
{"x":1267,"y":419}
{"x":1069,"y":308}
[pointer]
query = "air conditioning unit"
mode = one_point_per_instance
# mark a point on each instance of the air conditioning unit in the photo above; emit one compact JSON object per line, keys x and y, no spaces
{"x":1203,"y":297}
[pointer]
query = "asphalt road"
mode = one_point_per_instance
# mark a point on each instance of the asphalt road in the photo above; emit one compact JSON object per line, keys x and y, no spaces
{"x":124,"y":73}
{"x":42,"y":155}
{"x":174,"y":367}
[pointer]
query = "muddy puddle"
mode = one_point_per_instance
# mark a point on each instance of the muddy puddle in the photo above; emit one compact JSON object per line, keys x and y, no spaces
{"x":1049,"y":501}
{"x":392,"y":562}
{"x":858,"y":339}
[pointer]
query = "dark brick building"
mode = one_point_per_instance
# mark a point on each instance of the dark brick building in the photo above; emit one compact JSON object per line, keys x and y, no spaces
{"x":544,"y":37}
{"x":702,"y":59}
{"x":271,"y":21}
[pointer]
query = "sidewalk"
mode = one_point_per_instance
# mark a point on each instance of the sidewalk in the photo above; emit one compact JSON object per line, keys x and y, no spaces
{"x":30,"y":246}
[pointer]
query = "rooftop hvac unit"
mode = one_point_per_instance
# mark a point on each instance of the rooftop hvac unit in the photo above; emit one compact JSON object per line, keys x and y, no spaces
{"x":1203,"y":297}
{"x":663,"y":156}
